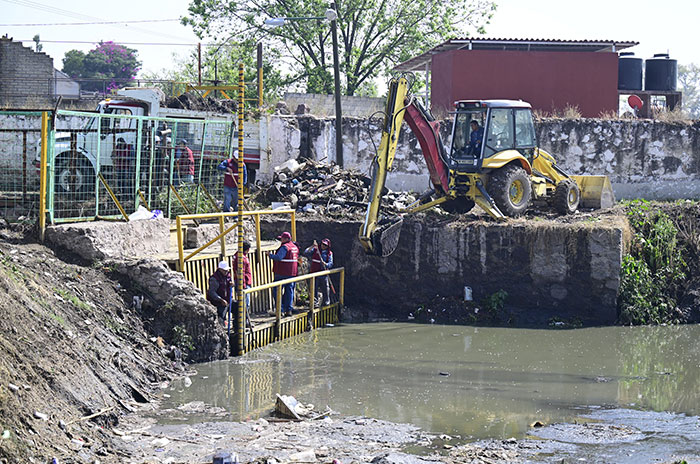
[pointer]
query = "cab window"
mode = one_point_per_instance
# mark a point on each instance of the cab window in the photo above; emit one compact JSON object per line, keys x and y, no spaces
{"x":500,"y":131}
{"x":524,"y":129}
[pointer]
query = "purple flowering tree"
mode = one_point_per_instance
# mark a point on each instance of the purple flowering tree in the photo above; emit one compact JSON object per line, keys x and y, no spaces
{"x":106,"y":67}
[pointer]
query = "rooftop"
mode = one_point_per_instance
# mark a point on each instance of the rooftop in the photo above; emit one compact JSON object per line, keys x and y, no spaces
{"x":420,"y":62}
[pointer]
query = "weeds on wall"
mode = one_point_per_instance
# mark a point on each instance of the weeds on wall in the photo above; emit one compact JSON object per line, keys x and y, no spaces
{"x":654,"y":272}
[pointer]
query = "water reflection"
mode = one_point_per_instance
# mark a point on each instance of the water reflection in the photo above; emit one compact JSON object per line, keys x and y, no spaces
{"x":476,"y":382}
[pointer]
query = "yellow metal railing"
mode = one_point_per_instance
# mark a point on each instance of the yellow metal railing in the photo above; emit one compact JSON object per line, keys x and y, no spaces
{"x":223,"y":231}
{"x":309,"y":317}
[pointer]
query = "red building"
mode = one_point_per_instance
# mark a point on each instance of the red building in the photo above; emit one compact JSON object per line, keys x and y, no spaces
{"x":549,"y":74}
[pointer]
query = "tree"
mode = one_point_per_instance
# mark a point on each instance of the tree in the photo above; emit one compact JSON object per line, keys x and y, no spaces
{"x":373,"y":35}
{"x":220,"y":65}
{"x":37,"y":45}
{"x":110,"y":65}
{"x":689,"y":79}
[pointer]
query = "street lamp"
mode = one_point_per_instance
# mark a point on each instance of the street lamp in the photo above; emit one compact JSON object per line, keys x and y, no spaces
{"x":332,"y":17}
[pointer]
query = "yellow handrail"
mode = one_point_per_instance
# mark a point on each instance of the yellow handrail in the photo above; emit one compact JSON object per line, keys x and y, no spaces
{"x":220,"y":216}
{"x":300,"y":278}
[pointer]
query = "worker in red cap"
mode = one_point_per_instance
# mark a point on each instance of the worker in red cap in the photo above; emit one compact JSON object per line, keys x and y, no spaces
{"x":321,"y":259}
{"x":285,"y":266}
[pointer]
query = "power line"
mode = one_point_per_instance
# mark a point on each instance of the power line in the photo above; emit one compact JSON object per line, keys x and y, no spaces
{"x":72,"y":14}
{"x":94,"y":23}
{"x":124,"y":43}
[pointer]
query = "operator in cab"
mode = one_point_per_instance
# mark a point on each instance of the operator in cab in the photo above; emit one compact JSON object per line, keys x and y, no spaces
{"x":475,"y":138}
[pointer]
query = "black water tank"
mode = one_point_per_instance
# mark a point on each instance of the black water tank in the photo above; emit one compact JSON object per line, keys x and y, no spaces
{"x":661,"y":73}
{"x":629,"y":72}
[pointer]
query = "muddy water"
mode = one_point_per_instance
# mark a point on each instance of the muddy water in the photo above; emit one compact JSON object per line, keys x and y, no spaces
{"x":466,"y":381}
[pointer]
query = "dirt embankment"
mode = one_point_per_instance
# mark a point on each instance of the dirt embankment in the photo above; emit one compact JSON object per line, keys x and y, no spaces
{"x":71,"y":347}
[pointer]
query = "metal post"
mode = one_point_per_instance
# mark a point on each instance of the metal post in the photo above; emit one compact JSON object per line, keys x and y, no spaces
{"x":260,"y":75}
{"x":278,"y":312}
{"x":222,"y":227}
{"x":294,"y":226}
{"x":240,"y":321}
{"x":180,"y":251}
{"x":201,"y":163}
{"x":199,"y":63}
{"x":258,"y":245}
{"x":98,"y":168}
{"x":42,"y":179}
{"x":137,"y":168}
{"x":338,"y":110}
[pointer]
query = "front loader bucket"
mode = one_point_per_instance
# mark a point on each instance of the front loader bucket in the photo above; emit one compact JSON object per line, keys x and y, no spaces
{"x":596,"y":191}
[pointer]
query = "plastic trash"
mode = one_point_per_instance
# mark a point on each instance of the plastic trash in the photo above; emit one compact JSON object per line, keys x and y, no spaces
{"x":140,"y":213}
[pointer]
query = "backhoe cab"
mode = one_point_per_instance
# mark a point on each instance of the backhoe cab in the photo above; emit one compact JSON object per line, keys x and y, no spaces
{"x":493,"y":161}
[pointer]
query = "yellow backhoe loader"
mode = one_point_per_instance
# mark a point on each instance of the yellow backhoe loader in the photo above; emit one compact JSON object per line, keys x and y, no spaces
{"x":493,"y":161}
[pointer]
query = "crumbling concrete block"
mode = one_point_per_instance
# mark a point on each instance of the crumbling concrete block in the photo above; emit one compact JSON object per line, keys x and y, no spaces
{"x":105,"y":239}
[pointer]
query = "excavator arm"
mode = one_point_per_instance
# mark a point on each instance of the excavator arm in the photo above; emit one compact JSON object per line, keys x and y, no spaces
{"x":371,"y":231}
{"x":380,"y":236}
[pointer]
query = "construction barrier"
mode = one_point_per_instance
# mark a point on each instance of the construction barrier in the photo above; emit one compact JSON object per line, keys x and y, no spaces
{"x":103,"y":166}
{"x":20,"y":147}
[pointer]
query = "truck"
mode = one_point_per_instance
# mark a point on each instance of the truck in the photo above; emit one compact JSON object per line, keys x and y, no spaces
{"x":76,"y":158}
{"x":493,"y":161}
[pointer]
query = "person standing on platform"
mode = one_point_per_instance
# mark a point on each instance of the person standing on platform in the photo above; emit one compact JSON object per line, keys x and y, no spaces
{"x":321,"y":260}
{"x":231,"y":178}
{"x":285,"y":266}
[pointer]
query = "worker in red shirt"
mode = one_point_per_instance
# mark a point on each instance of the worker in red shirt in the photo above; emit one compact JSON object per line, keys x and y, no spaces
{"x":247,"y":277}
{"x":184,"y":159}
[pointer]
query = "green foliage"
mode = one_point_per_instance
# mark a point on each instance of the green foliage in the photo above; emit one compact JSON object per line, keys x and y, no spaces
{"x":373,"y":36}
{"x":689,"y":83}
{"x":653,"y":273}
{"x":111,"y":65}
{"x":495,"y":302}
{"x":74,"y":300}
{"x":188,"y":193}
{"x":220,"y":65}
{"x":182,"y":339}
{"x":37,"y":43}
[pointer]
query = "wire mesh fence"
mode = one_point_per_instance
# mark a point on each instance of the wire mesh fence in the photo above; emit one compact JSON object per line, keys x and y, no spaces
{"x":107,"y":165}
{"x":20,"y":136}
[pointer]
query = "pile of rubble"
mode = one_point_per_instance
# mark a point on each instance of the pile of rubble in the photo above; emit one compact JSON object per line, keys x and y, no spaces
{"x":194,"y":101}
{"x":318,"y":188}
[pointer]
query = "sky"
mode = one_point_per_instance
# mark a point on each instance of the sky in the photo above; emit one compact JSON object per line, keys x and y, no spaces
{"x":659,"y":27}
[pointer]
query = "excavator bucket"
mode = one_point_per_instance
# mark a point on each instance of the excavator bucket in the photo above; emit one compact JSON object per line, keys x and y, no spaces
{"x":596,"y":191}
{"x":385,"y":238}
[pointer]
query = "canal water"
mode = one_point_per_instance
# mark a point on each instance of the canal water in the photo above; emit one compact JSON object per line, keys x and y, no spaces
{"x":472,"y":382}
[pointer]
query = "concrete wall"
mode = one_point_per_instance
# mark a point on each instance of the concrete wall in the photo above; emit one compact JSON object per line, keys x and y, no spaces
{"x":550,"y":81}
{"x":644,"y":158}
{"x":324,"y":105}
{"x":548,"y":269}
{"x":25,"y":77}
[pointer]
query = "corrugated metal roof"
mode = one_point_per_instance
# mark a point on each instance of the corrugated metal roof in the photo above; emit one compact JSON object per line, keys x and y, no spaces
{"x":420,"y":62}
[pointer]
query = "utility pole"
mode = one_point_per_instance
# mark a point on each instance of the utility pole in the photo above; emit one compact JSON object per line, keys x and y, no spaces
{"x":338,"y":109}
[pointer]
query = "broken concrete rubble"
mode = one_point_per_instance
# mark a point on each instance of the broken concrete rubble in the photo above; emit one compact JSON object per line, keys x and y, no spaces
{"x":315,"y":187}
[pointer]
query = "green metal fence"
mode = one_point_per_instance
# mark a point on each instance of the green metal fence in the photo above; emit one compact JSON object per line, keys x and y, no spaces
{"x":99,"y":162}
{"x":20,"y":135}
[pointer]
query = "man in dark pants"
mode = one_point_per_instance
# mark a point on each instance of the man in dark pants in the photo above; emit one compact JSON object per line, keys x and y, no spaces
{"x":285,"y":266}
{"x":321,"y":260}
{"x":219,"y":291}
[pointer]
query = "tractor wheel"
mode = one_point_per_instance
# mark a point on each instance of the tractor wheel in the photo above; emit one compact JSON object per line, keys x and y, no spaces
{"x":510,"y":188}
{"x":457,"y":206}
{"x":566,"y":197}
